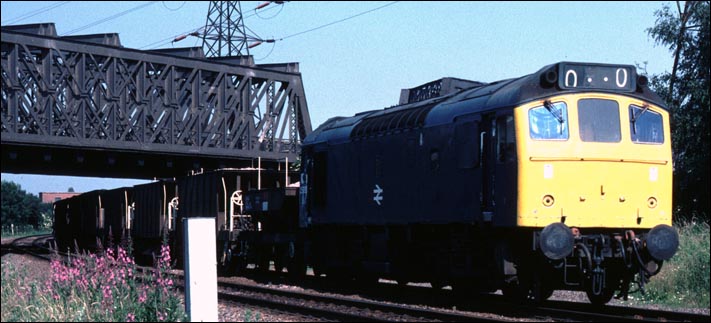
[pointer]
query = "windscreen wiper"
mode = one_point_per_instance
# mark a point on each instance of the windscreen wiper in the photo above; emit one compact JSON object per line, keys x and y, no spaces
{"x":555,"y":112}
{"x":636,"y":116}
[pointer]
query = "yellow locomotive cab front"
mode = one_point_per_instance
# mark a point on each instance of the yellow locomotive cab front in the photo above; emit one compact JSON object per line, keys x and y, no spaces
{"x":594,"y":160}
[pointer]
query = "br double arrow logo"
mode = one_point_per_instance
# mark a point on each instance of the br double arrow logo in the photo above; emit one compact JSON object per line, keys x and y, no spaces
{"x":377,"y":191}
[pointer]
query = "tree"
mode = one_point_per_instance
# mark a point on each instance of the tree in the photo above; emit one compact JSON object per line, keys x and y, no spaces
{"x":19,"y":207}
{"x":686,"y":90}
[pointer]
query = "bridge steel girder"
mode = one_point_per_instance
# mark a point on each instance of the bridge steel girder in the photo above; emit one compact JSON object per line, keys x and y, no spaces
{"x":91,"y":107}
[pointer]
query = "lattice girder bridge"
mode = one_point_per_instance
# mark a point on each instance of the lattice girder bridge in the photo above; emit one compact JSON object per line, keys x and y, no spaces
{"x":85,"y":105}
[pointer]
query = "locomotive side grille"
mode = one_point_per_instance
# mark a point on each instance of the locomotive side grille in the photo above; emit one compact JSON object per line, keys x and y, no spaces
{"x":435,"y":89}
{"x":391,"y":122}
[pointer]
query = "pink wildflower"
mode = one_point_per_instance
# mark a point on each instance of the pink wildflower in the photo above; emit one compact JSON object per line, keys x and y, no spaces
{"x":165,"y":254}
{"x":107,"y":292}
{"x":143,"y":296}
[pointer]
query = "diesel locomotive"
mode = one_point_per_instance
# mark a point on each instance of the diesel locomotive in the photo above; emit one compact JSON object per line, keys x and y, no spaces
{"x":557,"y":180}
{"x":561,"y":179}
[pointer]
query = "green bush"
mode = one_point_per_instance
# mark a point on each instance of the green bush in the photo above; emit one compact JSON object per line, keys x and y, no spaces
{"x":24,"y":230}
{"x":684,"y":279}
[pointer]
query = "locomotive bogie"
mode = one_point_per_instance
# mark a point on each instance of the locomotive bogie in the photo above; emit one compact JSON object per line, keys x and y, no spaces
{"x":445,"y":254}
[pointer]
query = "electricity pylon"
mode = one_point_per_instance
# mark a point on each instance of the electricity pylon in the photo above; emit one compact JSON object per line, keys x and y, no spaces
{"x":225,"y":33}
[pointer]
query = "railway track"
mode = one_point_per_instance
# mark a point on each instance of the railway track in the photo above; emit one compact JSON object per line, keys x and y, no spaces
{"x":343,"y":308}
{"x":412,"y":303}
{"x":34,"y":245}
{"x":492,"y":306}
{"x":617,"y":313}
{"x":482,"y":308}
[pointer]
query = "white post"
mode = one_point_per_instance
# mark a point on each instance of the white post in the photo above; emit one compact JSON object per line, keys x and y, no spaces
{"x":286,"y":179}
{"x":259,"y":173}
{"x":200,"y":269}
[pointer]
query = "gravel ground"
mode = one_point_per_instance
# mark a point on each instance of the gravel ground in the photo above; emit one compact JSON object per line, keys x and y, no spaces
{"x":559,"y":295}
{"x":232,"y":312}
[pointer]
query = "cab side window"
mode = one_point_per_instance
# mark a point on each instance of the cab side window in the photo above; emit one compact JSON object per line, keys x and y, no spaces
{"x":548,"y":122}
{"x":646,"y":125}
{"x":506,"y":139}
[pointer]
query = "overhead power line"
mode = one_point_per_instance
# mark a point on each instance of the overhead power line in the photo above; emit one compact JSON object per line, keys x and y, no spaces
{"x":200,"y":30}
{"x":95,"y":23}
{"x":171,"y":9}
{"x":36,"y":12}
{"x":260,"y":41}
{"x":341,"y":20}
{"x":172,"y":38}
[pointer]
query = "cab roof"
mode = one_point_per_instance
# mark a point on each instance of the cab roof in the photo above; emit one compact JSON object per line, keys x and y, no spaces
{"x":479,"y":97}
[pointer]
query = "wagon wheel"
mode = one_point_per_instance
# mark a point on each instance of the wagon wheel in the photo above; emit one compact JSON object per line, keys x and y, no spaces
{"x":235,"y":264}
{"x":238,"y":265}
{"x":224,"y":261}
{"x":222,"y":268}
{"x":541,"y":292}
{"x":465,"y":288}
{"x":263,"y":264}
{"x":317,"y":270}
{"x":264,"y":259}
{"x":339,"y":277}
{"x":280,"y":259}
{"x":239,"y":262}
{"x":297,"y":263}
{"x":601,"y":299}
{"x":516,"y":289}
{"x":438,"y":284}
{"x":364,"y":279}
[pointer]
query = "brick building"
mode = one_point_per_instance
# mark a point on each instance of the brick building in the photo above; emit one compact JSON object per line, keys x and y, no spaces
{"x":51,"y":197}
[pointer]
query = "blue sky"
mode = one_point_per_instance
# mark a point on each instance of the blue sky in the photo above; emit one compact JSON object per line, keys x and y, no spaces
{"x":362,"y":63}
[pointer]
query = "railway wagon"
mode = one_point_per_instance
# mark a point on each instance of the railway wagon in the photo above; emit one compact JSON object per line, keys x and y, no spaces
{"x":561,"y":179}
{"x":72,"y":229}
{"x":93,"y":220}
{"x":154,"y":217}
{"x":87,"y":209}
{"x":218,"y":194}
{"x":277,"y":233}
{"x":115,"y":215}
{"x":64,"y":225}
